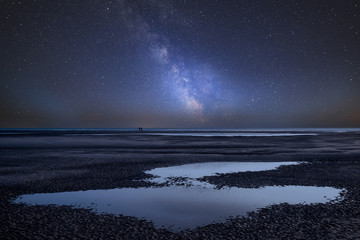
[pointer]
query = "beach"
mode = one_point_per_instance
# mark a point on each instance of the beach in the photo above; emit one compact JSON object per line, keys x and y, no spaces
{"x":61,"y":161}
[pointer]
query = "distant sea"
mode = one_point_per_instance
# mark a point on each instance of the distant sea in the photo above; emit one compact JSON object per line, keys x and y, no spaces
{"x":176,"y":131}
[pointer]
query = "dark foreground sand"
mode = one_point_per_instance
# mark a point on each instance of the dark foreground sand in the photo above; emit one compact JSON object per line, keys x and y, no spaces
{"x":54,"y":163}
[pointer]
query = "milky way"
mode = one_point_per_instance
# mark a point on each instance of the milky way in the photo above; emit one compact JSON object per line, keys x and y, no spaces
{"x":195,"y":86}
{"x":223,"y":64}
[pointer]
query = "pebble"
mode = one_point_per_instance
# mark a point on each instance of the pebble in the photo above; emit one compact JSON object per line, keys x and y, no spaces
{"x":337,"y":219}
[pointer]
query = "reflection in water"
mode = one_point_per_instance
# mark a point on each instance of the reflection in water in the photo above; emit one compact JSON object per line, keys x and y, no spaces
{"x":199,"y":170}
{"x":182,"y":207}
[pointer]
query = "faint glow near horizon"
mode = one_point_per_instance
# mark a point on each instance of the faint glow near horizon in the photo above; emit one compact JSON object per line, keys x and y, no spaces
{"x":182,"y":64}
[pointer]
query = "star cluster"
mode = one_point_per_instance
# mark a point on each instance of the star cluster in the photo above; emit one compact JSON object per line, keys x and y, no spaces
{"x":157,"y":63}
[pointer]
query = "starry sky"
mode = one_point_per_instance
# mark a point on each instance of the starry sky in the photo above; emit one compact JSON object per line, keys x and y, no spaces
{"x":179,"y":64}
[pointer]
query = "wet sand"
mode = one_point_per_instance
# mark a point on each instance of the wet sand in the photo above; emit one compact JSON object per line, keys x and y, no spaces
{"x":54,"y":162}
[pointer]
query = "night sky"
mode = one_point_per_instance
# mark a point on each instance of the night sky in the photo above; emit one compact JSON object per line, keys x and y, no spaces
{"x":179,"y":64}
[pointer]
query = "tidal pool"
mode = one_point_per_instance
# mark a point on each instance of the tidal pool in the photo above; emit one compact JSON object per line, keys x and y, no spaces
{"x":181,"y":207}
{"x":190,"y":172}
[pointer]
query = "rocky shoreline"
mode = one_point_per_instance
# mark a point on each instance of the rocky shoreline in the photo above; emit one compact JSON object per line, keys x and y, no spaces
{"x":31,"y":171}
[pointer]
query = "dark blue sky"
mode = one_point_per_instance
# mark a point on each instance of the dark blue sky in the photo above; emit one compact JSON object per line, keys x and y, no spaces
{"x":223,"y":64}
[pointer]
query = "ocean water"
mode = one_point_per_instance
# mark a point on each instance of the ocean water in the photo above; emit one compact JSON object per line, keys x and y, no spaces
{"x":178,"y":131}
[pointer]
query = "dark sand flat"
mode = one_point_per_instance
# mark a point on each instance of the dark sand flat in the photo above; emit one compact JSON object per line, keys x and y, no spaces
{"x":56,"y":162}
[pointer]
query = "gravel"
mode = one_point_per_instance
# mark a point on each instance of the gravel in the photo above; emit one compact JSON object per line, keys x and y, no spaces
{"x":25,"y":170}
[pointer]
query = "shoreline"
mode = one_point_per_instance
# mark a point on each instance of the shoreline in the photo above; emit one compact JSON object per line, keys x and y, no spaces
{"x":33,"y":170}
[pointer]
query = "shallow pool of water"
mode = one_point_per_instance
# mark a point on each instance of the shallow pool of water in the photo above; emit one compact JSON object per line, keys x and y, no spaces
{"x":198,"y":170}
{"x":181,"y":207}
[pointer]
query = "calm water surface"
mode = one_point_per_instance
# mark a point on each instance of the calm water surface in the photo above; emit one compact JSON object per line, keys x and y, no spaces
{"x":192,"y":204}
{"x":198,"y":170}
